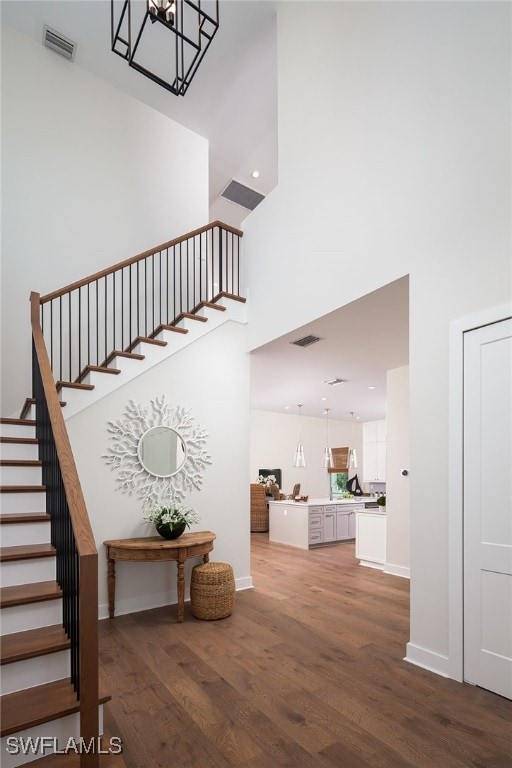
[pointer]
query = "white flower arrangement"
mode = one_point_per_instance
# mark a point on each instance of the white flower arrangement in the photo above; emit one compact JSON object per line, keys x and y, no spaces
{"x":173,"y":516}
{"x":267,"y":481}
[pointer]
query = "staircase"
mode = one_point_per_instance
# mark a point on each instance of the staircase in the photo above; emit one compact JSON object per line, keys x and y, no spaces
{"x":38,"y":698}
{"x":88,"y":339}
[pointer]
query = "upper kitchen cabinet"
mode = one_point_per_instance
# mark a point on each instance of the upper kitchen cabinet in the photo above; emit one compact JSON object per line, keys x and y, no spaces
{"x":374,"y":452}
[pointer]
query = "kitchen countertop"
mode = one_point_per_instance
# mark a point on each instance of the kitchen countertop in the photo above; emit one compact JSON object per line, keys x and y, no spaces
{"x":322,"y":502}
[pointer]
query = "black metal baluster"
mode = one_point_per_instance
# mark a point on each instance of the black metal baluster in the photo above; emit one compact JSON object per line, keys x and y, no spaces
{"x":145,"y":297}
{"x":97,"y":324}
{"x":60,"y":338}
{"x":113,"y":312}
{"x":138,"y":325}
{"x":105,"y":301}
{"x":79,"y":331}
{"x":69,"y":334}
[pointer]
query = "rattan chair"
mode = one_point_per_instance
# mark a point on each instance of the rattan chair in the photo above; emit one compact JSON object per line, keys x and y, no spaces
{"x":259,"y":509}
{"x":295,"y":492}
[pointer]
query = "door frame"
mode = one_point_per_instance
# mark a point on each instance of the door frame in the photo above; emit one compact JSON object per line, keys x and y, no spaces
{"x":457,"y":330}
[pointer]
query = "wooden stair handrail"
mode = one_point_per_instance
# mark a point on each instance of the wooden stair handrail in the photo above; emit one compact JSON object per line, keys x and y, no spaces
{"x":85,"y":546}
{"x":139,"y":257}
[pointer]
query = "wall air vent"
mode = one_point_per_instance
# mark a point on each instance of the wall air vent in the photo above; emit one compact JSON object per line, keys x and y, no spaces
{"x":242,"y":195}
{"x":59,"y":43}
{"x":306,"y":341}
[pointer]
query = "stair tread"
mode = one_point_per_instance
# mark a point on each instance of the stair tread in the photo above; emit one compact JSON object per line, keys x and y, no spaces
{"x":32,"y":706}
{"x":97,"y":369}
{"x":173,"y":328}
{"x":33,"y":642}
{"x":26,"y":552}
{"x":20,"y":463}
{"x":121,"y":353}
{"x":210,"y":305}
{"x":18,"y":422}
{"x":29,"y":401}
{"x":20,"y":440}
{"x":226,"y":295}
{"x":145,"y":340}
{"x":22,"y":488}
{"x":27,"y":517}
{"x":190,"y":316}
{"x":21,"y":594}
{"x":73,"y":385}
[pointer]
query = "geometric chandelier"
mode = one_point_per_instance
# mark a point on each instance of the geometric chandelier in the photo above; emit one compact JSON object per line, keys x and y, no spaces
{"x":165,"y":40}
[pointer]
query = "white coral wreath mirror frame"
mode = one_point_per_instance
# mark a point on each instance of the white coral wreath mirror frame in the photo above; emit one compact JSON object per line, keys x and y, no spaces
{"x":123,"y":452}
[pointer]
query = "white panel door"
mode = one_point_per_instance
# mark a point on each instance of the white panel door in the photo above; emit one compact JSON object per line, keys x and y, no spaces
{"x":488,"y":507}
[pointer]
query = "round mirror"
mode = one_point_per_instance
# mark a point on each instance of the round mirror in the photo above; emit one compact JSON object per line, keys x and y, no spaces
{"x":161,"y":451}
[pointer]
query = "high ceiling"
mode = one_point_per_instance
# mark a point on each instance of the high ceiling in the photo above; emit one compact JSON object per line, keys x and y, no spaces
{"x":232,"y":102}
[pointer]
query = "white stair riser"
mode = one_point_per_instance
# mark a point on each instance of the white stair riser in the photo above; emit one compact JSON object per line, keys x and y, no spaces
{"x":20,"y":475}
{"x":12,"y":503}
{"x":17,"y":430}
{"x":16,"y":534}
{"x":36,"y":671}
{"x":18,"y":618}
{"x":19,"y":451}
{"x":27,"y":571}
{"x":63,"y":729}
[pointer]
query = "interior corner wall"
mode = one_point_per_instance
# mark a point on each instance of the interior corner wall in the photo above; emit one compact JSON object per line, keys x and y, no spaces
{"x":394,"y":158}
{"x":397,"y":485}
{"x":218,"y":398}
{"x":273,"y":440}
{"x":90,"y":177}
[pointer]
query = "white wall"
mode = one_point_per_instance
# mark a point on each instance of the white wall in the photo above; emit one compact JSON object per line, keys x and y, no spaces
{"x":90,"y":177}
{"x":397,"y":458}
{"x":394,"y":158}
{"x":218,"y":397}
{"x":273,"y":440}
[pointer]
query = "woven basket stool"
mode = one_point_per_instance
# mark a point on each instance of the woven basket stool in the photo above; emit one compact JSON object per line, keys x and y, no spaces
{"x":212,"y":590}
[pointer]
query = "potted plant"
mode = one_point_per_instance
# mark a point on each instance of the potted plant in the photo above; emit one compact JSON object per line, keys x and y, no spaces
{"x":171,"y":521}
{"x":381,"y":501}
{"x":267,"y":481}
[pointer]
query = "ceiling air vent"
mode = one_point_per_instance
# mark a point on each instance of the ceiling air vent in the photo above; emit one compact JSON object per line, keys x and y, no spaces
{"x":59,"y":43}
{"x":306,"y":341}
{"x":241,"y":195}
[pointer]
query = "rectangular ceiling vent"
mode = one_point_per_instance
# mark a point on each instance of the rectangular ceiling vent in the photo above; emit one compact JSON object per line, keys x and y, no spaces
{"x":59,"y":43}
{"x":306,"y":341}
{"x":242,"y":195}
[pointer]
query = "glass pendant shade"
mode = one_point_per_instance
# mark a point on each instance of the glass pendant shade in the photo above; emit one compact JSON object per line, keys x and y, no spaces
{"x":328,"y":461}
{"x":352,"y":459}
{"x":299,"y":458}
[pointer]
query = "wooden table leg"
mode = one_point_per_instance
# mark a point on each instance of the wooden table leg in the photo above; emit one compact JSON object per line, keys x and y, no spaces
{"x":181,"y":586}
{"x":111,"y":585}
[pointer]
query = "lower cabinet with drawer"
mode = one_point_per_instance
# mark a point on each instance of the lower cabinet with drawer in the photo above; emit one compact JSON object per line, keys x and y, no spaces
{"x":305,"y":525}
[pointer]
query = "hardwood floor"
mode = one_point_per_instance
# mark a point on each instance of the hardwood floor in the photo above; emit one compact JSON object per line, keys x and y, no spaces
{"x":307,"y":672}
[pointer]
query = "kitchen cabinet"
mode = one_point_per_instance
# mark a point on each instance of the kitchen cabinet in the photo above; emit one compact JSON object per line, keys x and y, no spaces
{"x":374,"y":452}
{"x":315,"y":523}
{"x":371,"y":538}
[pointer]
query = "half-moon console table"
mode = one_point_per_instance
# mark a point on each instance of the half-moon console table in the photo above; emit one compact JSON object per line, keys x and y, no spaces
{"x":156,"y":549}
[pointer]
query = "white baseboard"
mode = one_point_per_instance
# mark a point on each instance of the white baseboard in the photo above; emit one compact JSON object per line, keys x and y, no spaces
{"x":422,"y":657}
{"x":158,"y":600}
{"x":397,"y":570}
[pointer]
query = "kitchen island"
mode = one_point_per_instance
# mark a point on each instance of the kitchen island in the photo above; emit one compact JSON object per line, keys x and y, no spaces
{"x":313,"y":523}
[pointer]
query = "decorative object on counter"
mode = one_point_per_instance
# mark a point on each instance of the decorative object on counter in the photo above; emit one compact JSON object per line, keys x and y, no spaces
{"x":328,"y":461}
{"x":352,"y":456}
{"x":381,"y":501}
{"x":354,"y":487}
{"x":295,"y":492}
{"x":301,"y":498}
{"x":267,"y":481}
{"x":170,"y":522}
{"x":276,"y":492}
{"x":299,"y":459}
{"x":212,"y":591}
{"x":157,"y":451}
{"x":259,"y":509}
